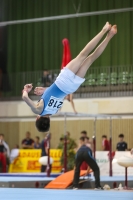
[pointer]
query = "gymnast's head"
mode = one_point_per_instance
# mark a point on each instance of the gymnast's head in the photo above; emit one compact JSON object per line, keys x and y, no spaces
{"x":43,"y":123}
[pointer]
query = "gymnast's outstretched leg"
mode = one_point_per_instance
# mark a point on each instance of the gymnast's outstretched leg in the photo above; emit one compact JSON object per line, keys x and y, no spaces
{"x":99,"y":50}
{"x":75,"y":64}
{"x":66,"y":83}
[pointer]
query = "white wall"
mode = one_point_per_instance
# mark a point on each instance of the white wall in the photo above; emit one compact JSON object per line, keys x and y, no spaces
{"x":90,"y":106}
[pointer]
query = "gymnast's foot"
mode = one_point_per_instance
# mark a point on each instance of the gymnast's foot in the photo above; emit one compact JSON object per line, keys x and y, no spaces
{"x":98,"y":188}
{"x":107,"y":27}
{"x":113,"y":31}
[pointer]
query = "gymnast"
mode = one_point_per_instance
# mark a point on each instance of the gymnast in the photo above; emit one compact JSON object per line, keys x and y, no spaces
{"x":68,"y":81}
{"x":84,"y":153}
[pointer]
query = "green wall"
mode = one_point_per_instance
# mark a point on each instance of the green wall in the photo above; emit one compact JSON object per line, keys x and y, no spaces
{"x":37,"y":46}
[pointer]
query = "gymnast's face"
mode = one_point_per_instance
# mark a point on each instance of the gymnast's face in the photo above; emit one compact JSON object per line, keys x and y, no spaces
{"x":81,"y":142}
{"x":27,"y":135}
{"x":121,"y":139}
{"x":45,"y":73}
{"x":1,"y":137}
{"x":83,"y":134}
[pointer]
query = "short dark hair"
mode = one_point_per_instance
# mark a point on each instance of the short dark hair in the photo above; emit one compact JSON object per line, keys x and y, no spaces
{"x":104,"y":136}
{"x":82,"y":139}
{"x":43,"y":124}
{"x":1,"y":134}
{"x":121,"y":135}
{"x":84,"y":132}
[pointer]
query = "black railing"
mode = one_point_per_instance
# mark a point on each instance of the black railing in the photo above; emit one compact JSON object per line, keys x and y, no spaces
{"x":107,"y":82}
{"x":100,"y":82}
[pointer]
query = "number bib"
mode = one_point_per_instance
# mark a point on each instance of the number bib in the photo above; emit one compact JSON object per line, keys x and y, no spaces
{"x":54,"y":104}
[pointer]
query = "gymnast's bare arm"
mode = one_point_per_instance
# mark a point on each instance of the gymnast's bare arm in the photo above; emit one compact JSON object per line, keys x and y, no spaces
{"x":69,"y":97}
{"x":36,"y":108}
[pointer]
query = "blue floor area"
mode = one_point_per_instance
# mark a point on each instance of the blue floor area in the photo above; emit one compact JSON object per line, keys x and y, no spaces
{"x":54,"y":175}
{"x":112,"y":178}
{"x":42,"y":194}
{"x":44,"y":178}
{"x":115,"y":178}
{"x":11,"y":179}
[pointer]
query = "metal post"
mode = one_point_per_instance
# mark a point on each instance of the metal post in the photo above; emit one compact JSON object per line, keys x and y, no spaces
{"x":65,"y":145}
{"x":48,"y":146}
{"x":110,"y":149}
{"x":126,"y":185}
{"x":94,"y":138}
{"x":101,"y":12}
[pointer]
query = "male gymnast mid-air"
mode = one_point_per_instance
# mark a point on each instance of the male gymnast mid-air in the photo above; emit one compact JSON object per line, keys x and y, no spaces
{"x":68,"y":81}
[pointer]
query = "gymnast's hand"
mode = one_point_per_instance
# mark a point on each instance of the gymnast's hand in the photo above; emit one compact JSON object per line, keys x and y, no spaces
{"x":28,"y":87}
{"x":39,"y":90}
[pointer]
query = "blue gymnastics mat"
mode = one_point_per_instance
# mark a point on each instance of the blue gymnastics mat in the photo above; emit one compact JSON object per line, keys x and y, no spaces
{"x":42,"y":194}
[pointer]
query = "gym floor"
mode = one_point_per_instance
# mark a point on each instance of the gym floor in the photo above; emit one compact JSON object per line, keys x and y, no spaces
{"x":41,"y":194}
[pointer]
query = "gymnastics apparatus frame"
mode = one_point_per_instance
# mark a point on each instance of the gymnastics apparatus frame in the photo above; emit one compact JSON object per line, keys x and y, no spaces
{"x":66,"y":114}
{"x":102,"y":12}
{"x":95,"y":117}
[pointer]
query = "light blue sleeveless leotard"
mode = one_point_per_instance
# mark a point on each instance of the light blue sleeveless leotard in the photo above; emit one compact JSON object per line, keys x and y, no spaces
{"x":53,"y":100}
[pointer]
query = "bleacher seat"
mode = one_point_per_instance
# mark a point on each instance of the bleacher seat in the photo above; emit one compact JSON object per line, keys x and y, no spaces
{"x":113,"y":81}
{"x":91,"y":76}
{"x":102,"y":76}
{"x":130,"y":80}
{"x":39,"y":83}
{"x":90,"y":82}
{"x":131,"y":77}
{"x":113,"y":75}
{"x":123,"y":75}
{"x":102,"y":79}
{"x":101,"y":82}
{"x":123,"y":80}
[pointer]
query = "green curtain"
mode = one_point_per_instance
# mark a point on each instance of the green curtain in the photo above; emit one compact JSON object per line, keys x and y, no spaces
{"x":38,"y":46}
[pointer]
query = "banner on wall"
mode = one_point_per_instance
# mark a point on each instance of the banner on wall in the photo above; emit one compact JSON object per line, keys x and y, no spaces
{"x":27,"y":161}
{"x":102,"y":158}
